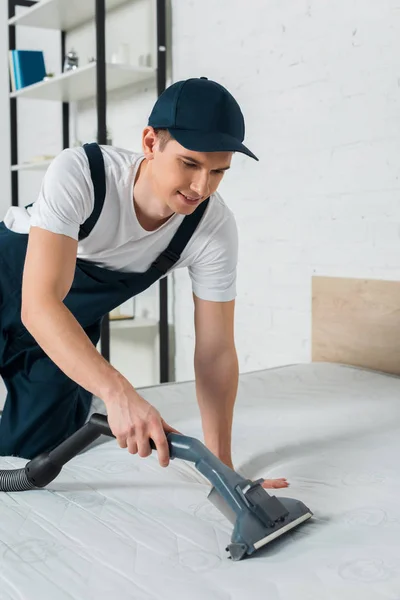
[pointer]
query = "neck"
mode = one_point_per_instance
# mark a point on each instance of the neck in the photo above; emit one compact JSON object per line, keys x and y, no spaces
{"x":151,"y":212}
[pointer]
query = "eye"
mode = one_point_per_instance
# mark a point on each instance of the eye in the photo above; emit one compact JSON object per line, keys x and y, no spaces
{"x":193,"y":166}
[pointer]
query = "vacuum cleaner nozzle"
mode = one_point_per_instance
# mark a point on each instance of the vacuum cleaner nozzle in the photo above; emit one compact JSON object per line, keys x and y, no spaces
{"x":258,"y":518}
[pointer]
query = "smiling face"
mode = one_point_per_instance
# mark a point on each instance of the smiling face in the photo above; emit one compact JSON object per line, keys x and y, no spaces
{"x":181,"y":178}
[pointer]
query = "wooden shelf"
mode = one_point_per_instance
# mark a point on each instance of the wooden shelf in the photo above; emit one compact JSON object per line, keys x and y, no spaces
{"x":61,"y":14}
{"x":81,"y":84}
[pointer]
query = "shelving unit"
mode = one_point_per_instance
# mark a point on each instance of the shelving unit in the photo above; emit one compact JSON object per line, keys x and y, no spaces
{"x":81,"y":83}
{"x":92,"y":80}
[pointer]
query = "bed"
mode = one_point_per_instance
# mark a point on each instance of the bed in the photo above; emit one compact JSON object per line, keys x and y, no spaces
{"x":114,"y":525}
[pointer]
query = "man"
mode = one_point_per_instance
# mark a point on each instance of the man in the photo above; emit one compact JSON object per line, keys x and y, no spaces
{"x":108,"y":223}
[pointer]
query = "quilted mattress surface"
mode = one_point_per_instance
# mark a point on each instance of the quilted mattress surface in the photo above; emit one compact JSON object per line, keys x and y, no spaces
{"x":113,"y":525}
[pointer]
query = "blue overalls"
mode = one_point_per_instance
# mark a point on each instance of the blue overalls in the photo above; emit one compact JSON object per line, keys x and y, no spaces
{"x":43,"y":405}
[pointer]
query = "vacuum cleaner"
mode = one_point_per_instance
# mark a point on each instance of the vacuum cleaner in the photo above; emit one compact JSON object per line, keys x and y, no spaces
{"x":257,"y":517}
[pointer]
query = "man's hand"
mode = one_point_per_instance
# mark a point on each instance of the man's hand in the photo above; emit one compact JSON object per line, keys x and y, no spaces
{"x":275,"y":483}
{"x":135,"y":422}
{"x":268,"y":484}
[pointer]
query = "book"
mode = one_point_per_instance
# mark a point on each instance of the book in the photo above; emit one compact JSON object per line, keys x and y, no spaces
{"x":26,"y":68}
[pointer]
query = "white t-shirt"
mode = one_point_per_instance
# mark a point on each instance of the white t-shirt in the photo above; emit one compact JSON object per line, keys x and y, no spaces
{"x":118,"y":241}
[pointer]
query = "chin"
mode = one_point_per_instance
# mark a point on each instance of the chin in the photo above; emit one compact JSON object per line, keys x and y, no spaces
{"x":184,"y":210}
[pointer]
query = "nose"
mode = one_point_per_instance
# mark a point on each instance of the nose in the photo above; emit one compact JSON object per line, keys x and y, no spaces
{"x":201,"y":184}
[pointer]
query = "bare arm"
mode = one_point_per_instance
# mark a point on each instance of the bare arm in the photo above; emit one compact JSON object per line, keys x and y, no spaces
{"x":217,"y":372}
{"x":48,"y":276}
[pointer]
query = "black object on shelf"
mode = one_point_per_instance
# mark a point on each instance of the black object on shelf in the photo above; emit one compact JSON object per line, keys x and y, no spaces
{"x":101,"y":101}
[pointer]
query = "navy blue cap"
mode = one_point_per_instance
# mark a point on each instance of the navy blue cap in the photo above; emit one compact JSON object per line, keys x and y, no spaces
{"x":202,"y":116}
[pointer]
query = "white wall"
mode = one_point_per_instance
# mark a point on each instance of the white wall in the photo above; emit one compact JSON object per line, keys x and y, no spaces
{"x":319,"y":85}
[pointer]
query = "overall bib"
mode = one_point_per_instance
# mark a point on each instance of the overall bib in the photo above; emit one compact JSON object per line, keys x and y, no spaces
{"x":43,"y":405}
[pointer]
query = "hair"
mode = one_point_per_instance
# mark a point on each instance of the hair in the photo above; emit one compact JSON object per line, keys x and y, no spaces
{"x":164,"y":137}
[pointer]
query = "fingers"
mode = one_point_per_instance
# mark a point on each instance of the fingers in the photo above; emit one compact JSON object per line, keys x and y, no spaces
{"x":275,"y":483}
{"x":144,"y":434}
{"x":143,"y":446}
{"x":135,"y":445}
{"x":122,"y":442}
{"x":132,"y":445}
{"x":162,"y":446}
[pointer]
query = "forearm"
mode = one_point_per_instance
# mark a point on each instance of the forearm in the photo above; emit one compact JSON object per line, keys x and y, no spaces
{"x":63,"y":339}
{"x":216,"y":388}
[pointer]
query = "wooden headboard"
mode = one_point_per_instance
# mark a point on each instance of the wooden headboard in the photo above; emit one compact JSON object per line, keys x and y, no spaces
{"x":356,"y":322}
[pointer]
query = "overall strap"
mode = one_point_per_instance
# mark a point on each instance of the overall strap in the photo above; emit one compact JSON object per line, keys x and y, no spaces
{"x":166,"y":260}
{"x":98,"y":175}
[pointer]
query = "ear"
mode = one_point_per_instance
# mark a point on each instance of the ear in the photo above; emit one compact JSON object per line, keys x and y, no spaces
{"x":149,"y":140}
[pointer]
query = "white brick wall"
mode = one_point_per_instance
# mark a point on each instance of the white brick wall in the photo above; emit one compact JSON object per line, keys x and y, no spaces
{"x":319,"y":85}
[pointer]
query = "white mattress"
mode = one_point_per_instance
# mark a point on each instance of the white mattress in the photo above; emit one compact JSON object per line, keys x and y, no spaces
{"x":114,"y":525}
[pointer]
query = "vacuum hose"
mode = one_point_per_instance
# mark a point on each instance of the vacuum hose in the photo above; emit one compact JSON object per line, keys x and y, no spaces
{"x":15,"y":480}
{"x":43,"y":469}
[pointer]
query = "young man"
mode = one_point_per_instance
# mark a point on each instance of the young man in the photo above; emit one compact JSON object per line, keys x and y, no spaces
{"x":108,"y":223}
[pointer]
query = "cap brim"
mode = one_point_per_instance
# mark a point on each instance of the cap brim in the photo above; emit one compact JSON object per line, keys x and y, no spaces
{"x":200,"y":141}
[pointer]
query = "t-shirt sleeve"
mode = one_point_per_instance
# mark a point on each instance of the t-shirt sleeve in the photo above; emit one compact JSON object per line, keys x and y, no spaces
{"x":213,"y":273}
{"x":66,"y":197}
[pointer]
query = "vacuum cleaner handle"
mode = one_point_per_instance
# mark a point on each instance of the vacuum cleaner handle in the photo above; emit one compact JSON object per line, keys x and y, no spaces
{"x":180,"y":446}
{"x":43,"y":469}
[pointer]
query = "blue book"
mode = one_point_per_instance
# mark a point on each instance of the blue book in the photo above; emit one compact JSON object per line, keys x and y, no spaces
{"x":29,"y":67}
